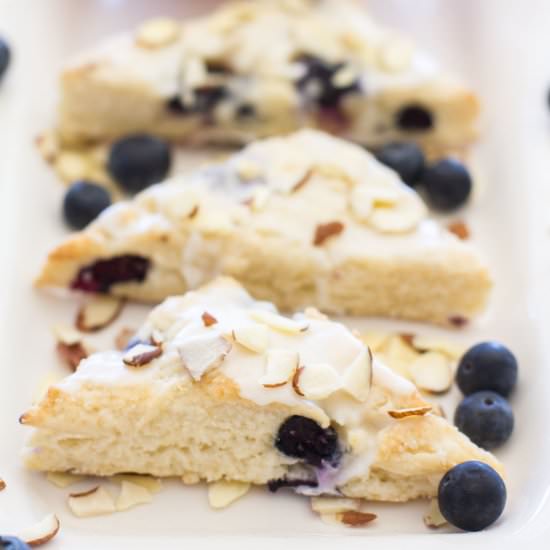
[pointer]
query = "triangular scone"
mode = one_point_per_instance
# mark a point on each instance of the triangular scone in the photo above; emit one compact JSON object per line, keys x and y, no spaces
{"x":220,"y":386}
{"x":255,"y":69}
{"x":306,"y":219}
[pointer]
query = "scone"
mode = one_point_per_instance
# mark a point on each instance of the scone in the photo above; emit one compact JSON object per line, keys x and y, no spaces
{"x":306,"y":219}
{"x":220,"y":386}
{"x":256,"y":69}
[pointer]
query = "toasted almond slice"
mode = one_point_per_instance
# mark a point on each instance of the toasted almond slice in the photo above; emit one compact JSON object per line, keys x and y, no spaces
{"x":141,"y":355}
{"x":334,"y":505}
{"x":413,"y":411}
{"x":317,"y":381}
{"x":353,"y":518}
{"x":432,"y":372}
{"x":254,"y":337}
{"x":433,"y":517}
{"x":280,"y":366}
{"x":123,"y":338}
{"x":72,"y":354}
{"x":324,"y":231}
{"x":132,"y":494}
{"x":85,"y":493}
{"x":158,"y":33}
{"x":89,"y":504}
{"x":428,"y":343}
{"x":460,"y":229}
{"x":40,"y":532}
{"x":152,"y":484}
{"x":203,"y":353}
{"x":302,"y":181}
{"x":296,"y":380}
{"x":63,"y":479}
{"x":98,"y":313}
{"x":2,"y":484}
{"x":208,"y":320}
{"x":398,"y":355}
{"x":223,"y":493}
{"x":279,"y":322}
{"x":401,"y":217}
{"x":374,"y":339}
{"x":356,"y":379}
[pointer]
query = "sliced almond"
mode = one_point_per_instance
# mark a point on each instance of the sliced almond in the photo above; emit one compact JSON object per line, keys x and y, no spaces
{"x":254,"y":337}
{"x":85,"y":493}
{"x":208,"y":320}
{"x":203,"y":353}
{"x":316,"y":381}
{"x":152,"y":484}
{"x":98,"y":313}
{"x":302,"y":181}
{"x":334,"y":505}
{"x":401,"y":217}
{"x":325,"y":231}
{"x":2,"y":484}
{"x":94,"y":503}
{"x":427,"y":343}
{"x":280,"y":366}
{"x":398,"y":355}
{"x":356,"y":379}
{"x":460,"y":229}
{"x":123,"y":338}
{"x":141,"y":355}
{"x":413,"y":411}
{"x":279,"y":322}
{"x":353,"y":518}
{"x":374,"y":339}
{"x":132,"y":494}
{"x":158,"y":33}
{"x":41,"y":532}
{"x":63,"y":479}
{"x":432,"y":372}
{"x":223,"y":493}
{"x":72,"y":354}
{"x":433,"y":517}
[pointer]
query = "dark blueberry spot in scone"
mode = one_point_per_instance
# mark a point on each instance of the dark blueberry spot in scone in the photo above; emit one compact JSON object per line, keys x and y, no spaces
{"x":176,"y":106}
{"x":207,"y":97}
{"x":83,"y":202}
{"x":12,"y":543}
{"x":246,"y":110}
{"x":486,"y":418}
{"x":471,"y":496}
{"x":447,"y":183}
{"x":136,"y":162}
{"x":487,"y":366}
{"x":275,"y":484}
{"x":101,"y":275}
{"x":407,"y":159}
{"x":303,"y":438}
{"x":5,"y":56}
{"x":318,"y":84}
{"x":414,"y":118}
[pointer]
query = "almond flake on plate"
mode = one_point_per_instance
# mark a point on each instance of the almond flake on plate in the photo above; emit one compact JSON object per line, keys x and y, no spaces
{"x":433,"y":517}
{"x":132,"y":494}
{"x":152,"y":484}
{"x":223,"y":493}
{"x":334,"y":505}
{"x":40,"y":532}
{"x":316,"y":381}
{"x":432,"y":372}
{"x":141,"y":355}
{"x":254,"y":337}
{"x":98,"y":313}
{"x":63,"y":479}
{"x":96,"y":502}
{"x":279,"y":322}
{"x":413,"y":411}
{"x":280,"y":366}
{"x":203,"y":353}
{"x":354,"y":518}
{"x":325,"y":231}
{"x":432,"y":343}
{"x":374,"y":339}
{"x":158,"y":33}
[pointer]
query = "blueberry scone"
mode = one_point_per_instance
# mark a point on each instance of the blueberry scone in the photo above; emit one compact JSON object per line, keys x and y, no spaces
{"x":256,"y":69}
{"x":217,"y":385}
{"x":306,"y":219}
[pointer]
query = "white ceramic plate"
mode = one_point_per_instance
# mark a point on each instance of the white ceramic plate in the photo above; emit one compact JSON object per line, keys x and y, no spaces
{"x":500,"y":48}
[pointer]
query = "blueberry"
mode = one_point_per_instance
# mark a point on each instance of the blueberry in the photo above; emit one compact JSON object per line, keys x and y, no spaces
{"x":12,"y":543}
{"x":407,"y":159}
{"x":301,"y":437}
{"x":471,"y":496}
{"x":414,"y":118}
{"x":487,"y":366}
{"x":137,"y":161}
{"x":448,"y":184}
{"x":486,"y":418}
{"x":5,"y":56}
{"x":83,"y":203}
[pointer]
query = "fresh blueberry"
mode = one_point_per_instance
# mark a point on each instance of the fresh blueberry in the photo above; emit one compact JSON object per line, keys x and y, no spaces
{"x":12,"y":543}
{"x":83,"y":203}
{"x":414,"y":118}
{"x":301,"y":437}
{"x":407,"y":159}
{"x":486,"y":418}
{"x":137,"y":161}
{"x":448,"y":184}
{"x":5,"y":56}
{"x":471,"y":496}
{"x":101,"y":275}
{"x":487,"y":366}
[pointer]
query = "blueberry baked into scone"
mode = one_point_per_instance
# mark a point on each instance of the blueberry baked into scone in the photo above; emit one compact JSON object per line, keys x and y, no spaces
{"x":308,"y":219}
{"x":218,"y":386}
{"x":256,"y":69}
